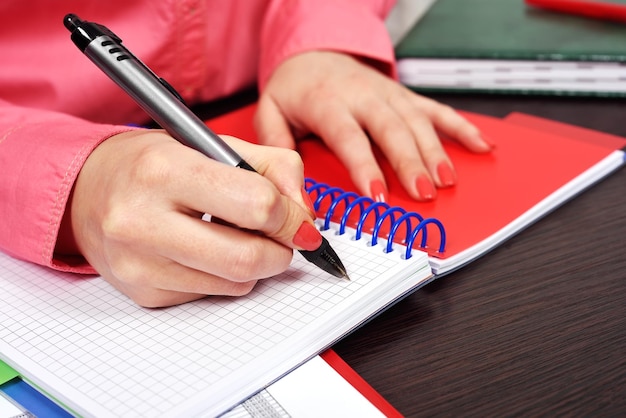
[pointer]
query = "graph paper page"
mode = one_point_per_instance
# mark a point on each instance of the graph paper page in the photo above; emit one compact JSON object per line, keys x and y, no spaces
{"x":94,"y":350}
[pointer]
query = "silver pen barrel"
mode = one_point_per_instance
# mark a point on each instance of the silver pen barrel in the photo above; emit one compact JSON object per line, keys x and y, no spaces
{"x":158,"y":99}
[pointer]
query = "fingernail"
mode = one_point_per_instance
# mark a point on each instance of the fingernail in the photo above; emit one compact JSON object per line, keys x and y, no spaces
{"x":308,"y":237}
{"x":488,"y":141}
{"x":447,"y":177}
{"x":425,"y":188}
{"x":308,"y":203}
{"x":378,"y":191}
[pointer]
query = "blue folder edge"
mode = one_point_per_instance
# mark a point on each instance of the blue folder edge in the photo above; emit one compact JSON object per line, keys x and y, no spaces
{"x":32,"y":400}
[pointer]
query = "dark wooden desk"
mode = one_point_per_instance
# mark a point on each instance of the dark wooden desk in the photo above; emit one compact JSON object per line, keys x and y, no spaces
{"x":536,"y":327}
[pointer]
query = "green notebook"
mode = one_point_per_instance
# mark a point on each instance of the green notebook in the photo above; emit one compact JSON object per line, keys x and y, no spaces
{"x":507,"y":46}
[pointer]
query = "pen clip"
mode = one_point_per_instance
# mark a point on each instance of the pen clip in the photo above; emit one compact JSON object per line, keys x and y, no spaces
{"x":171,"y":89}
{"x":83,"y":32}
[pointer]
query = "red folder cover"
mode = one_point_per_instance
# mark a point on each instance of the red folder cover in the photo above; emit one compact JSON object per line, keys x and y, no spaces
{"x":359,"y":384}
{"x":530,"y":172}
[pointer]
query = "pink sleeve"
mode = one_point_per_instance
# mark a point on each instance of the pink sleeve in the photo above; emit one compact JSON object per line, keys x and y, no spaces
{"x":355,"y":27}
{"x":41,"y":153}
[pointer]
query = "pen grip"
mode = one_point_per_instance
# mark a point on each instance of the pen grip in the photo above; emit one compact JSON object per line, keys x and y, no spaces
{"x":324,"y":257}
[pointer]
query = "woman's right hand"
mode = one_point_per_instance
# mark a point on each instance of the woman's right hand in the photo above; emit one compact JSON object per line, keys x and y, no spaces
{"x":136,"y":209}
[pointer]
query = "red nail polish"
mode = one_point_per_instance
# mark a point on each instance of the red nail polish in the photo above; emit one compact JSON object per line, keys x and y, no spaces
{"x":447,"y":177}
{"x":308,"y":202}
{"x":308,"y":237}
{"x":378,"y":191}
{"x":425,"y":188}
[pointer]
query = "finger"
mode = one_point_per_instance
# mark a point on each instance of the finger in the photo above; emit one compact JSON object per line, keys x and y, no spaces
{"x":449,"y":122}
{"x":344,"y":136}
{"x":427,"y":141}
{"x":251,"y":201}
{"x":214,"y":249}
{"x":283,"y":167}
{"x":271,"y":126}
{"x":400,"y":143}
{"x":245,"y":198}
{"x":209,"y":259}
{"x":167,"y":283}
{"x":231,"y":253}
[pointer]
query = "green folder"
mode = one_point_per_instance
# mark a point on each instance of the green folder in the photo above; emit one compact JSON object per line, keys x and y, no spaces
{"x":502,"y":32}
{"x":6,"y":373}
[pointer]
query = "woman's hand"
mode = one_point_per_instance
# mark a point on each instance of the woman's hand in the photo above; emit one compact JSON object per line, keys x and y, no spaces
{"x":343,"y":101}
{"x":136,"y":214}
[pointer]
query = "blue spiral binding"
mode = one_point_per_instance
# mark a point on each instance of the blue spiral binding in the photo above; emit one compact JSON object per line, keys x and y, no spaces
{"x":381,"y":211}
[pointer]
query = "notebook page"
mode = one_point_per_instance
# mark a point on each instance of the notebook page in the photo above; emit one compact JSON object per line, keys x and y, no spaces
{"x":95,"y":351}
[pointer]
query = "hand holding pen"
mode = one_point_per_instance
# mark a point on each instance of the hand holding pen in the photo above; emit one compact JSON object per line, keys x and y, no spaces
{"x":142,"y":230}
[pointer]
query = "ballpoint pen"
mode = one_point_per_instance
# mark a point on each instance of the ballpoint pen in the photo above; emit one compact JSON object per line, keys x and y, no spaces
{"x":159,"y":99}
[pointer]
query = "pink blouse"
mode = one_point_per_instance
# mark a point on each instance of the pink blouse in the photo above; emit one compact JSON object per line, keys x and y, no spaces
{"x":56,"y":106}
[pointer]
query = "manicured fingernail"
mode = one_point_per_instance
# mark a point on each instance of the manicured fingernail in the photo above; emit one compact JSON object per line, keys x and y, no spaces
{"x":308,"y":203}
{"x":447,"y":177}
{"x":425,"y":188}
{"x":488,"y":141}
{"x":308,"y":237}
{"x":378,"y":191}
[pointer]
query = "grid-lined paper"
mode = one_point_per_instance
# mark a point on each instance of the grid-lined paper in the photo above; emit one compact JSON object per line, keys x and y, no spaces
{"x":97,"y":352}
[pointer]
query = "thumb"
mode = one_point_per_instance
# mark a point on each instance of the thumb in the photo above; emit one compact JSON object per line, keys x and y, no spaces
{"x":271,"y":125}
{"x":291,"y":225}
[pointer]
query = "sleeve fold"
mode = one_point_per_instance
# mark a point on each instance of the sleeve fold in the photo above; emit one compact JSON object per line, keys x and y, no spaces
{"x":41,"y":153}
{"x":355,"y":27}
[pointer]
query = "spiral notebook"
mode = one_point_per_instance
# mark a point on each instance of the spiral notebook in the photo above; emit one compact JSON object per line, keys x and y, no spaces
{"x":534,"y":169}
{"x":93,"y":350}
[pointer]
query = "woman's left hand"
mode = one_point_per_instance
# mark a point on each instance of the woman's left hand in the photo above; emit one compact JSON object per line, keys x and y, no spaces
{"x":346,"y":102}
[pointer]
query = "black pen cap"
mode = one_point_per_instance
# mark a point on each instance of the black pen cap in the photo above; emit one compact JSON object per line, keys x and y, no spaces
{"x":84,"y":32}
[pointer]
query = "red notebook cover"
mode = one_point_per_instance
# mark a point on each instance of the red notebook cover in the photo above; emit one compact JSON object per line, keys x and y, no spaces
{"x":564,"y":129}
{"x":497,"y":193}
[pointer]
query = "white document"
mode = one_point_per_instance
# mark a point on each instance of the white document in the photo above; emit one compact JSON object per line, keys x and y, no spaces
{"x":314,"y":389}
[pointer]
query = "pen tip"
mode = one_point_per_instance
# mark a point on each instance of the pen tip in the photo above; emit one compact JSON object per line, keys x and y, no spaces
{"x":326,"y":258}
{"x":344,"y":273}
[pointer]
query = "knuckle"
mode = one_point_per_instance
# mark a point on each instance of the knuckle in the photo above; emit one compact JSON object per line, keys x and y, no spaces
{"x":150,"y":299}
{"x":446,"y":113}
{"x":245,"y":262}
{"x":241,"y":288}
{"x":152,"y":167}
{"x":255,"y":260}
{"x":430,"y":148}
{"x":118,"y":225}
{"x":393,"y":131}
{"x":129,"y":273}
{"x":419,"y":117}
{"x":350,"y":135}
{"x":446,"y":110}
{"x":292,"y":160}
{"x":320,"y":91}
{"x":264,"y":206}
